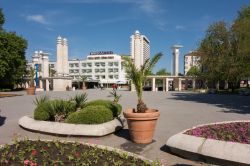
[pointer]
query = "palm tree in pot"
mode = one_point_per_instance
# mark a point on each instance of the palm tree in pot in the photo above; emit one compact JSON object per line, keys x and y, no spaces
{"x":142,"y":121}
{"x":31,"y":89}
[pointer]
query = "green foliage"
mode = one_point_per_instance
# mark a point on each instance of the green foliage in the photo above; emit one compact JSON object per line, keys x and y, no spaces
{"x":91,"y":115}
{"x":12,"y":57}
{"x":193,"y":71}
{"x":49,"y":109}
{"x":80,"y":100}
{"x":42,"y":112}
{"x":115,"y":95}
{"x":138,"y":76}
{"x":1,"y":19}
{"x":113,"y":107}
{"x":40,"y":100}
{"x":163,"y":72}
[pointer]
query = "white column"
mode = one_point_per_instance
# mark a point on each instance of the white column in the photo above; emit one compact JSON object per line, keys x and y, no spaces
{"x":47,"y":85}
{"x":166,"y":81}
{"x":179,"y":84}
{"x":153,"y":84}
{"x":193,"y":84}
{"x":59,"y":56}
{"x":65,"y":57}
{"x":163,"y":84}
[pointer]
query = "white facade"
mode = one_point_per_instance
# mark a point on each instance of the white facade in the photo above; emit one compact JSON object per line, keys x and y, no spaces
{"x":176,"y":54}
{"x":190,"y":60}
{"x":103,"y":68}
{"x":140,"y":48}
{"x":62,"y":56}
{"x":42,"y":59}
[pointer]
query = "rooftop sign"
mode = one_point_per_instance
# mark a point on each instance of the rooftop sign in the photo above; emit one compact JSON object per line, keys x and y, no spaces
{"x":101,"y":53}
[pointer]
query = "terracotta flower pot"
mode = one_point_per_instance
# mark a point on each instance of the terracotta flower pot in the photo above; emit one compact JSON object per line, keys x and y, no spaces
{"x":31,"y":90}
{"x":141,"y":125}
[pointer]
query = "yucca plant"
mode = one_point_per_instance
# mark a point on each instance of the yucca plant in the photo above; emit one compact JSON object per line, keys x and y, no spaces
{"x":40,"y":100}
{"x":115,"y":95}
{"x":138,"y":76}
{"x":80,"y":100}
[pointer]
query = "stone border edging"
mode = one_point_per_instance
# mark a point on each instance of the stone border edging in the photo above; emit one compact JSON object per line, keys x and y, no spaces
{"x":71,"y":129}
{"x":222,"y":150}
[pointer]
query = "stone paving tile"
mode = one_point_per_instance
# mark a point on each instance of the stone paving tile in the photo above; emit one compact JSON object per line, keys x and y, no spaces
{"x":179,"y":111}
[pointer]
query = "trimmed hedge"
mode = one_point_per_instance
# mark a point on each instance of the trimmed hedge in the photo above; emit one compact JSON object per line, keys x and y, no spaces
{"x":91,"y":115}
{"x":115,"y":108}
{"x":47,"y":110}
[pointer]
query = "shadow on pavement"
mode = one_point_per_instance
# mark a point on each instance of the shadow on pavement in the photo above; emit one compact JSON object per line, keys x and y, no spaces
{"x":231,"y":103}
{"x":2,"y":120}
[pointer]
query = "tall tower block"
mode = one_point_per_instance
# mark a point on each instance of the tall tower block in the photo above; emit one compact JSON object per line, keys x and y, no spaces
{"x":176,"y":53}
{"x":59,"y":56}
{"x":65,"y":57}
{"x":140,"y":48}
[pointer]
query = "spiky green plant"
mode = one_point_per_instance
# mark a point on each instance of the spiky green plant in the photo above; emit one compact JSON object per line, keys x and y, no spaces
{"x":138,"y":76}
{"x":80,"y":100}
{"x":115,"y":95}
{"x":32,"y":73}
{"x":40,"y":100}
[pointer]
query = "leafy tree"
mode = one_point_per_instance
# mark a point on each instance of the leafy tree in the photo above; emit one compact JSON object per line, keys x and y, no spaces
{"x":138,"y":77}
{"x":1,"y":19}
{"x":214,"y":49}
{"x":241,"y":43}
{"x":12,"y":57}
{"x":193,"y":71}
{"x":163,"y":72}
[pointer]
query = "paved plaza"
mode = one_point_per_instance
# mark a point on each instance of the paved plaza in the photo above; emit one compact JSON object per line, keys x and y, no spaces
{"x":179,"y":111}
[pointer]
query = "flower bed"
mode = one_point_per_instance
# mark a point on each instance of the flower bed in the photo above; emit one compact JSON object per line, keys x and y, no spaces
{"x":233,"y":131}
{"x":34,"y":153}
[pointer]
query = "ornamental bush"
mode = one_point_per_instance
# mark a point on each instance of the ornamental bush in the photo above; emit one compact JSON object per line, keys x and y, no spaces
{"x":113,"y":107}
{"x":48,"y":110}
{"x":42,"y":112}
{"x":93,"y":114}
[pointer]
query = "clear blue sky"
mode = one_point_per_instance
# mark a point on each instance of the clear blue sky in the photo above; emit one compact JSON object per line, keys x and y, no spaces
{"x":100,"y":25}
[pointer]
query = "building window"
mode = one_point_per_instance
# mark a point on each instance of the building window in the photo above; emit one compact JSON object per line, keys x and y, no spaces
{"x":83,"y":71}
{"x":115,"y":70}
{"x":89,"y":64}
{"x":110,"y":70}
{"x":111,"y":77}
{"x":116,"y":77}
{"x":110,"y":63}
{"x":116,"y":63}
{"x":83,"y":64}
{"x":96,"y":70}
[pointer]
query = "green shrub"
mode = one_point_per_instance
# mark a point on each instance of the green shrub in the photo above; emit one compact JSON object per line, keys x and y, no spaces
{"x":113,"y":107}
{"x":49,"y":109}
{"x":42,"y":112}
{"x":61,"y":107}
{"x":91,"y":115}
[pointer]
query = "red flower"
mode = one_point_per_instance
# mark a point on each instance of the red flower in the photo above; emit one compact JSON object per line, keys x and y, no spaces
{"x":26,"y":162}
{"x":77,"y":154}
{"x":33,"y":164}
{"x":34,"y":152}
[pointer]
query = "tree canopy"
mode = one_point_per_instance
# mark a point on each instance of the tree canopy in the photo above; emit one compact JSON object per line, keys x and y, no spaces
{"x":12,"y":57}
{"x":225,"y":51}
{"x":163,"y":72}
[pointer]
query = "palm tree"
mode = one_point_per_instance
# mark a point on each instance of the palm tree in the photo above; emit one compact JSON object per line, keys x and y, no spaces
{"x":32,"y":73}
{"x":83,"y":78}
{"x":138,"y":77}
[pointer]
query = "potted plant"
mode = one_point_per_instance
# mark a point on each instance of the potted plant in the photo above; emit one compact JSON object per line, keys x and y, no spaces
{"x":31,"y":89}
{"x":141,"y":122}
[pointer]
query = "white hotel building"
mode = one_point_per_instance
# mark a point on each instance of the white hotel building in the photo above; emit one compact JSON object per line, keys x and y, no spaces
{"x":103,"y":67}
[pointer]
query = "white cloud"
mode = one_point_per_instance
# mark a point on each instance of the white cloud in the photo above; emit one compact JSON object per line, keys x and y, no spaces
{"x":37,"y":18}
{"x":180,"y":27}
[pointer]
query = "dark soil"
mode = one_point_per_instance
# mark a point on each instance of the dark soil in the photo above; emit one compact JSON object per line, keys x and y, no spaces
{"x":8,"y":95}
{"x":55,"y":153}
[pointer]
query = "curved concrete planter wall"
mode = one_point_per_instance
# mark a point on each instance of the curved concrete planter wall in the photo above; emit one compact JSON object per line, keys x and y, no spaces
{"x":71,"y":129}
{"x":222,"y":150}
